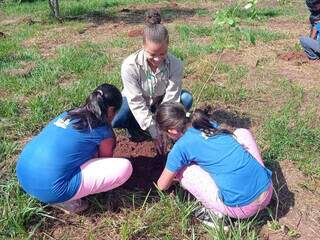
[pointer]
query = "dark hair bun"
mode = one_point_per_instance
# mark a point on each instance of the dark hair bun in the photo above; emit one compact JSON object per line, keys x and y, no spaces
{"x":312,"y":4}
{"x":152,"y":17}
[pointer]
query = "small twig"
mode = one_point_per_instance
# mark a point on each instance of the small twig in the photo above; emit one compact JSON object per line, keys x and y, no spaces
{"x":297,"y":226}
{"x":277,"y":197}
{"x":207,"y":80}
{"x":52,"y":217}
{"x":47,"y":235}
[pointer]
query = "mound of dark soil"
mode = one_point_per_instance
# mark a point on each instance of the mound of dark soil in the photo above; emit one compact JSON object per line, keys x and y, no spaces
{"x":147,"y":164}
{"x":135,"y":33}
{"x":293,"y":56}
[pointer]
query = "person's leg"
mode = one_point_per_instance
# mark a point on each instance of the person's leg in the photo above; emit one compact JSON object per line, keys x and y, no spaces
{"x":186,"y":99}
{"x":246,"y":139}
{"x":97,"y":175}
{"x":101,"y":175}
{"x":125,"y":119}
{"x":124,"y":115}
{"x":200,"y":184}
{"x":311,"y":47}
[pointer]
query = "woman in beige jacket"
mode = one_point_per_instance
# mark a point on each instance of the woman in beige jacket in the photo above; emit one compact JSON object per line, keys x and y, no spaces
{"x":150,"y":76}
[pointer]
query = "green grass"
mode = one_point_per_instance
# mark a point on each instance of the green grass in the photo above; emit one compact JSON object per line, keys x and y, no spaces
{"x":291,"y":134}
{"x":218,"y":39}
{"x":18,"y":214}
{"x":80,"y":59}
{"x":238,"y":230}
{"x":167,"y":218}
{"x":238,"y":11}
{"x":40,"y":8}
{"x":228,"y":89}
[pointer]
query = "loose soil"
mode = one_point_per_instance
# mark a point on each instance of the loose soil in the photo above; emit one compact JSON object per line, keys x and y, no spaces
{"x":147,"y":163}
{"x":296,"y":202}
{"x":294,"y":56}
{"x":135,"y":33}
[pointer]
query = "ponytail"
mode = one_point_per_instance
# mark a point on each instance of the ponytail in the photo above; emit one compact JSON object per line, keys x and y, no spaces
{"x":94,"y":112}
{"x":174,"y":116}
{"x":200,"y":120}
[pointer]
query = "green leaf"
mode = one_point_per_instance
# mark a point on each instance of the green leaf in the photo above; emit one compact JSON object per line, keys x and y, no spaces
{"x":231,"y":22}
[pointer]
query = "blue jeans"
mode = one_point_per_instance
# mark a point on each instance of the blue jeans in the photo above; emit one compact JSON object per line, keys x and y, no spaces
{"x":125,"y":118}
{"x":311,"y":47}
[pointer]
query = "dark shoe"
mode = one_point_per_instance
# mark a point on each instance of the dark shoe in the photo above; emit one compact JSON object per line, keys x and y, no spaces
{"x":210,"y":218}
{"x":74,"y":206}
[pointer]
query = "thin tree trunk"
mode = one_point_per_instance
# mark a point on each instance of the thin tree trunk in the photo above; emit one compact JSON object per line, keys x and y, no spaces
{"x":54,"y":6}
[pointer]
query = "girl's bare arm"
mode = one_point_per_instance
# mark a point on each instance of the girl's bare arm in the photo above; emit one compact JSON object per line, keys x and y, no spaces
{"x":166,"y":179}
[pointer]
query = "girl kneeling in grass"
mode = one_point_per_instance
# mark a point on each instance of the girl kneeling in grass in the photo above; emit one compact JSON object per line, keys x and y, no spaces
{"x":72,"y":156}
{"x":223,"y":170}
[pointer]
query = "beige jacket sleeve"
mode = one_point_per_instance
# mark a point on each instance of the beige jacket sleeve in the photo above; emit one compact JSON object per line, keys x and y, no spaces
{"x":173,"y":90}
{"x":137,"y":104}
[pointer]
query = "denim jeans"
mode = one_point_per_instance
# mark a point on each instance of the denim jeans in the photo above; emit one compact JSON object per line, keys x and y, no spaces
{"x":311,"y":47}
{"x":125,"y":118}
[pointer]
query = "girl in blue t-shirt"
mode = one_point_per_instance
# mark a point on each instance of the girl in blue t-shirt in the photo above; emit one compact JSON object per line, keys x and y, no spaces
{"x":72,"y":156}
{"x":223,"y":170}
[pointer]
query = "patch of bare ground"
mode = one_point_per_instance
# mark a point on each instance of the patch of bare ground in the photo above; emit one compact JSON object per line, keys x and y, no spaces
{"x":127,"y":22}
{"x":296,"y":203}
{"x":24,"y":70}
{"x":294,"y":56}
{"x":135,"y":33}
{"x":274,"y":59}
{"x":283,"y":24}
{"x":67,"y":80}
{"x":21,"y":20}
{"x":297,"y":68}
{"x":49,"y":42}
{"x":252,"y":56}
{"x":267,"y":65}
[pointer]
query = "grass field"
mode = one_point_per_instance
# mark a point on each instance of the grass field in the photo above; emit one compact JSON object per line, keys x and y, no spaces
{"x":235,"y":59}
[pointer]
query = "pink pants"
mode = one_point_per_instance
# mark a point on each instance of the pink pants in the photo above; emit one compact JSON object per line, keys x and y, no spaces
{"x":103,"y":174}
{"x":199,"y":183}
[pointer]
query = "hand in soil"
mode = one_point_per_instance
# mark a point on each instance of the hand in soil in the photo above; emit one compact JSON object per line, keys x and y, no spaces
{"x":160,"y":145}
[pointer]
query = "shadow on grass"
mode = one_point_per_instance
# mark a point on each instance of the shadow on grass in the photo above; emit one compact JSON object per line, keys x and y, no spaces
{"x":132,"y":16}
{"x":283,"y":199}
{"x":232,"y":119}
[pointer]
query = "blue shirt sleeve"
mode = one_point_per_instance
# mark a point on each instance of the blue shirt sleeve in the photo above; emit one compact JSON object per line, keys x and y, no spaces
{"x":177,"y":159}
{"x":101,"y":133}
{"x":105,"y":132}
